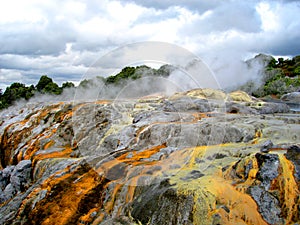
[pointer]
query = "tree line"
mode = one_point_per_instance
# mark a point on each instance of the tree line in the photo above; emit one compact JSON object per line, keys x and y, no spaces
{"x":18,"y":91}
{"x":46,"y":85}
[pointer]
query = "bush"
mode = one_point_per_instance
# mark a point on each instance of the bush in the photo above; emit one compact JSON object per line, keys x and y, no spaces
{"x":14,"y":92}
{"x":46,"y":85}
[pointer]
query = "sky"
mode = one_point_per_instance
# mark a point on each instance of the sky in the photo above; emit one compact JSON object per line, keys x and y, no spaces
{"x":63,"y":39}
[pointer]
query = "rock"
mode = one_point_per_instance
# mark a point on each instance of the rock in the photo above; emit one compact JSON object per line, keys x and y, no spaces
{"x":195,"y":174}
{"x":268,"y":205}
{"x":201,"y":93}
{"x":5,"y":176}
{"x":270,"y":107}
{"x":293,"y":154}
{"x":21,"y":175}
{"x":266,"y":146}
{"x":268,"y":164}
{"x":293,"y":97}
{"x":207,"y":93}
{"x":158,"y":162}
{"x":186,"y":105}
{"x":8,"y":193}
{"x":240,"y":96}
{"x":233,"y":107}
{"x":160,"y":204}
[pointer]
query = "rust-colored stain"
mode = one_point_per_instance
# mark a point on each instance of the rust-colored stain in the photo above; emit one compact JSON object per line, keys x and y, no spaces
{"x":289,"y":192}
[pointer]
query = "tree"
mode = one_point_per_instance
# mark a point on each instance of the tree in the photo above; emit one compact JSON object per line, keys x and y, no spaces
{"x":67,"y":85}
{"x":127,"y":72}
{"x":280,"y":61}
{"x":43,"y":82}
{"x":46,"y":85}
{"x":165,"y":70}
{"x":272,"y":64}
{"x":85,"y":83}
{"x":14,"y":92}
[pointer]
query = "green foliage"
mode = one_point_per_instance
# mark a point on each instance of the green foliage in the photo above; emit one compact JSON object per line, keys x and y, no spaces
{"x":14,"y":92}
{"x":46,"y":85}
{"x":67,"y":85}
{"x":52,"y":88}
{"x":18,"y":91}
{"x":297,"y":71}
{"x":272,"y":64}
{"x":165,"y":70}
{"x":280,"y":77}
{"x":85,"y":83}
{"x":43,"y":82}
{"x":135,"y":73}
{"x":125,"y":73}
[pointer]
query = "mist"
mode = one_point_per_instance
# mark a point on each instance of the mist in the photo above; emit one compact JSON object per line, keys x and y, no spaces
{"x":226,"y":73}
{"x":232,"y":71}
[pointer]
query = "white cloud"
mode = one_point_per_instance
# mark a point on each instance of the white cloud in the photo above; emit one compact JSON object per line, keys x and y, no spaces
{"x":62,"y":39}
{"x":269,"y":18}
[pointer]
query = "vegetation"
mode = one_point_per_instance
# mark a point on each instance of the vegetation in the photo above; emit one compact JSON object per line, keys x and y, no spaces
{"x":135,"y":73}
{"x":18,"y":91}
{"x":46,"y":85}
{"x":14,"y":92}
{"x":280,"y":77}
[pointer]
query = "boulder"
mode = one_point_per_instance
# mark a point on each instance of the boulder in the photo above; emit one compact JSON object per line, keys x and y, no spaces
{"x":268,"y":205}
{"x":5,"y":176}
{"x":268,"y":164}
{"x":293,"y":97}
{"x":161,"y":204}
{"x":266,"y":146}
{"x":270,"y":107}
{"x":20,"y":177}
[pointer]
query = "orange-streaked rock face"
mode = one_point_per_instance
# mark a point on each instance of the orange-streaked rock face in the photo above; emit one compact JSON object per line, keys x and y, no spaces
{"x":149,"y":162}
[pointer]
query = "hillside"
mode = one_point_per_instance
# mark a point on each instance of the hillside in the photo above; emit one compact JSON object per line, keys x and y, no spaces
{"x":197,"y":157}
{"x":279,"y":77}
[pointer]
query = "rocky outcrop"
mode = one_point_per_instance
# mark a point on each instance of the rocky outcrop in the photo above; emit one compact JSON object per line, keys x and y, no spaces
{"x":15,"y":179}
{"x":293,"y":97}
{"x":188,"y":159}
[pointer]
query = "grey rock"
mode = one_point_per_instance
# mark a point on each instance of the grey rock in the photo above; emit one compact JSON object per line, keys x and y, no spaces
{"x":268,"y":205}
{"x":20,"y":177}
{"x":233,"y":107}
{"x":187,"y":104}
{"x":291,"y":97}
{"x":160,"y":204}
{"x":6,"y":172}
{"x":23,"y":165}
{"x":5,"y":176}
{"x":40,"y":196}
{"x":268,"y":164}
{"x":293,"y":154}
{"x":266,"y":146}
{"x":8,"y":193}
{"x":270,"y":107}
{"x":11,"y":208}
